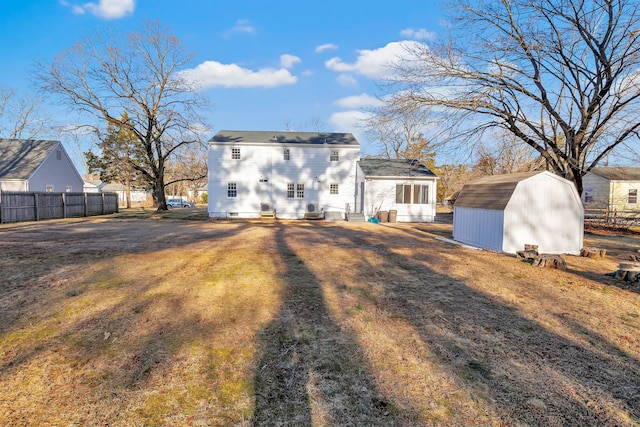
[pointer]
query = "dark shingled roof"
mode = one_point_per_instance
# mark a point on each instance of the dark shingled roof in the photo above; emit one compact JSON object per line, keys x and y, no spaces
{"x":389,"y":168}
{"x":19,"y":158}
{"x":275,"y":137}
{"x":491,"y":192}
{"x":617,"y":173}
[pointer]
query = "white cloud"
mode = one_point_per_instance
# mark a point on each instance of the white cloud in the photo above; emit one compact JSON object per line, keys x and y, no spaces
{"x":375,"y":64}
{"x":211,"y":74}
{"x":347,"y":80}
{"x":307,"y":73}
{"x":288,"y":61}
{"x":108,"y":9}
{"x":419,"y":34}
{"x":323,"y":47}
{"x":242,"y":26}
{"x":358,"y":101}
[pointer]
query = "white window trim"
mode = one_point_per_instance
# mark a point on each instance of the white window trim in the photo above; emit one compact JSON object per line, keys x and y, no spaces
{"x":412,"y":194}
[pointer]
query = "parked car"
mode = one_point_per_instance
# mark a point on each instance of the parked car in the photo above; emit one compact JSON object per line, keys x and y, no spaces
{"x":178,"y":203}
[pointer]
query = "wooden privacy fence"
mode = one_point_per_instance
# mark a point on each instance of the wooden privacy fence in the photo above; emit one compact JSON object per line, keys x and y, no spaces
{"x":18,"y":206}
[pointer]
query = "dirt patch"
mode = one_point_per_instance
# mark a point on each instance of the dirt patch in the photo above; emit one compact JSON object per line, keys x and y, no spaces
{"x":160,"y":321}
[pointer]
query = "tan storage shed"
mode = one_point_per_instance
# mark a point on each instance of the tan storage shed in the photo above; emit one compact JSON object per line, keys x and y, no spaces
{"x":505,"y":212}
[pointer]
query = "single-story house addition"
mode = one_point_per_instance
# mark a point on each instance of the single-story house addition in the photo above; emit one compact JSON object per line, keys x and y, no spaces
{"x":401,"y":185}
{"x":505,"y":212}
{"x":612,"y":191}
{"x":294,"y":174}
{"x":37,"y":165}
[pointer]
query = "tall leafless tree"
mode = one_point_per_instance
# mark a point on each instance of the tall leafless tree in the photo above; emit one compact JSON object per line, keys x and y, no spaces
{"x":400,"y":135}
{"x":563,"y":76}
{"x":20,"y":117}
{"x":106,"y":76}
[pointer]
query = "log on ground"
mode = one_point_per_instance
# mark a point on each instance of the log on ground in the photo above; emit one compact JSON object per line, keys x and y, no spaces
{"x":593,"y":252}
{"x":549,"y":261}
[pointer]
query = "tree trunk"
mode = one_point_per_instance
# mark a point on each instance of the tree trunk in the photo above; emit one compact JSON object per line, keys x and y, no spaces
{"x":128,"y":189}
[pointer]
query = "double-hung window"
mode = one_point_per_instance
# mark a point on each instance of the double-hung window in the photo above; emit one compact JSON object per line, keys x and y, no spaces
{"x":632,"y":197}
{"x":334,"y":156}
{"x":232,"y":189}
{"x":235,"y":154}
{"x":286,"y":154}
{"x":295,"y":190}
{"x":333,"y":189}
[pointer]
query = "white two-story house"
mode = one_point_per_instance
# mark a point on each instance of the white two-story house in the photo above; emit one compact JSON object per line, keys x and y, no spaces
{"x":293,"y":175}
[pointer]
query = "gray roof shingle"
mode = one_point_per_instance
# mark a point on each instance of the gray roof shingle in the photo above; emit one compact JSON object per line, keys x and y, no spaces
{"x":279,"y":137}
{"x":19,"y":158}
{"x":491,"y":192}
{"x":399,"y":168}
{"x":617,"y":173}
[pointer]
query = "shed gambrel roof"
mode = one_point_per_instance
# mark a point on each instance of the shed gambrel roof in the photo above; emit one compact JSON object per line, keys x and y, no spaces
{"x":19,"y":158}
{"x":279,"y":137}
{"x":617,"y":173}
{"x":491,"y":192}
{"x":394,"y":168}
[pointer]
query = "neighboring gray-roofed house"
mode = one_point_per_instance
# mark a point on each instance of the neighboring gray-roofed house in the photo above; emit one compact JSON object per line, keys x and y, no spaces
{"x":37,"y":165}
{"x":292,"y":174}
{"x":612,"y":192}
{"x":505,"y":212}
{"x":405,"y":186}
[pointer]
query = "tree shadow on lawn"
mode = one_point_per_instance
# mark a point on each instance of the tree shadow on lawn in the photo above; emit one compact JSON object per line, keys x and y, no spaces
{"x":122,"y":343}
{"x":594,"y":272}
{"x":526,"y":372}
{"x":41,"y":261}
{"x":311,"y":372}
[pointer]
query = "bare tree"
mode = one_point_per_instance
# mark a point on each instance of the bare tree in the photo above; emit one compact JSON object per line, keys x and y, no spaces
{"x":190,"y":160}
{"x":561,"y":75}
{"x":400,"y":135}
{"x":507,"y":155}
{"x":314,"y":124}
{"x":20,"y":117}
{"x":106,"y":76}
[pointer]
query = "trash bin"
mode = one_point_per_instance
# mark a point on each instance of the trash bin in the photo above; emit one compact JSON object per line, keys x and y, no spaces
{"x":384,"y":216}
{"x":392,"y":216}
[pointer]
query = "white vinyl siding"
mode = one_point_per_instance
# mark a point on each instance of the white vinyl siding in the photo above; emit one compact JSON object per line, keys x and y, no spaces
{"x":381,"y":194}
{"x":307,"y":166}
{"x":55,"y":172}
{"x":543,"y":210}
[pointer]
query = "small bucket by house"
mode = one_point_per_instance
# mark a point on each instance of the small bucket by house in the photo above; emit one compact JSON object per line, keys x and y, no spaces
{"x":393,"y":215}
{"x":384,"y":216}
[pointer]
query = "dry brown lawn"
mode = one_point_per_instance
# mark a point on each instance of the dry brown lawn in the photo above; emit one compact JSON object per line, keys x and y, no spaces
{"x":164,"y":322}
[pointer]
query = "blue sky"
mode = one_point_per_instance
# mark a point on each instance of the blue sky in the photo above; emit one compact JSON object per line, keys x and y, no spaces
{"x":265,"y":65}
